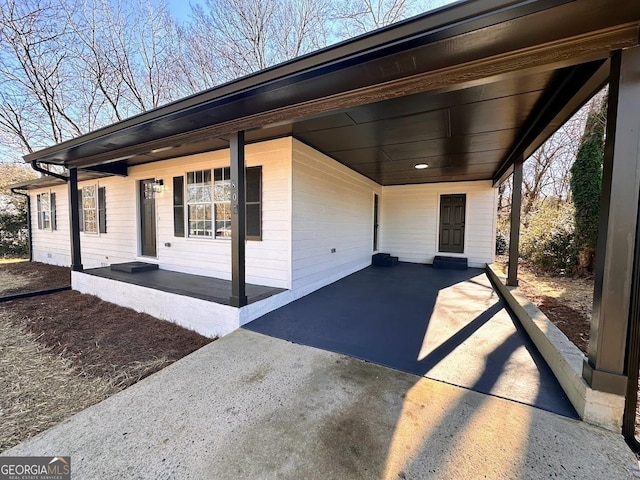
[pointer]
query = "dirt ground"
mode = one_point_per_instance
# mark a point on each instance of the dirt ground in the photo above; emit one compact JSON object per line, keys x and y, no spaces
{"x":566,"y":301}
{"x":63,"y":352}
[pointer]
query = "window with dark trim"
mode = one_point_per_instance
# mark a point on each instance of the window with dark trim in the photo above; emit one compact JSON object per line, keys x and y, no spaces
{"x":92,"y":209}
{"x":203,"y":203}
{"x":46,"y":206}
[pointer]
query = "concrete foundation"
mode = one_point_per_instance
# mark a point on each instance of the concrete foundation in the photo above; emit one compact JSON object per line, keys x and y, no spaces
{"x":564,"y":359}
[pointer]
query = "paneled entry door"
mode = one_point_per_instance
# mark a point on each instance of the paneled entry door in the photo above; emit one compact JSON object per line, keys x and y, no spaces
{"x":452,"y":212}
{"x":147,"y":205}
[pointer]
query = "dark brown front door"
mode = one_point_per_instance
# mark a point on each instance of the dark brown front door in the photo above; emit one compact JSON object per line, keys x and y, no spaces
{"x":452,"y":209}
{"x":147,"y":218}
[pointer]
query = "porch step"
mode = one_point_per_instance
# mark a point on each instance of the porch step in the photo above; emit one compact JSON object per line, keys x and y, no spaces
{"x":452,"y":263}
{"x":383,"y":260}
{"x":134,"y":267}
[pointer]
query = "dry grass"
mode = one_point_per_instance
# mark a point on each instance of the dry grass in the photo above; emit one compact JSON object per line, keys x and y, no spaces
{"x":38,"y":388}
{"x":10,"y":282}
{"x":29,"y":276}
{"x":61,"y":353}
{"x":12,"y":260}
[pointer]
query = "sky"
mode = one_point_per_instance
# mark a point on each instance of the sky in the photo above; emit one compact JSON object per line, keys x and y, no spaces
{"x":180,"y":8}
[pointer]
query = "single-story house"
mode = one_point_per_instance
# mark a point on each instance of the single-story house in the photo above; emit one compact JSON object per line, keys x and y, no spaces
{"x":310,"y":221}
{"x":283,"y":181}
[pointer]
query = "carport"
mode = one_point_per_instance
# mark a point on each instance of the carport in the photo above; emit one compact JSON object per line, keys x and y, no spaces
{"x":446,"y":325}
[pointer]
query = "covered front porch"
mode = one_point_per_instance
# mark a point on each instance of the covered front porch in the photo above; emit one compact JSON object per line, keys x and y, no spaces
{"x":195,"y":302}
{"x":465,"y":93}
{"x":211,"y":289}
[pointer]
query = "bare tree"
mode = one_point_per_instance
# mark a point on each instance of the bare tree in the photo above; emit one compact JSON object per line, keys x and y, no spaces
{"x":127,"y":50}
{"x":227,"y":39}
{"x":33,"y":71}
{"x":547,"y":172}
{"x":71,"y":66}
{"x":355,"y":17}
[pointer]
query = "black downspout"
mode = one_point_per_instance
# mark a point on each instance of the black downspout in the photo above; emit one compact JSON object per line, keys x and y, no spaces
{"x":38,"y":168}
{"x":28,"y":197}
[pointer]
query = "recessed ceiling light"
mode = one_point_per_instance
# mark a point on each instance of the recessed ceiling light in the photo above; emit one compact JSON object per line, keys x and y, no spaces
{"x":161,"y":149}
{"x":421,"y":166}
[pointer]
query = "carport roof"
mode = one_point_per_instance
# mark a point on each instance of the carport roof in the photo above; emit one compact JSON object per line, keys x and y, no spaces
{"x":467,"y":89}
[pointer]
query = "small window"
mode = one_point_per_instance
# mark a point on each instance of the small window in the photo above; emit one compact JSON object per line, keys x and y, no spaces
{"x":89,"y":202}
{"x":46,"y":205}
{"x":92,"y":209}
{"x":222,"y":201}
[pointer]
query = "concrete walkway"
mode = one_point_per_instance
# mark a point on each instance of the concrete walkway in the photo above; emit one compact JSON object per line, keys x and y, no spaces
{"x":251,"y":406}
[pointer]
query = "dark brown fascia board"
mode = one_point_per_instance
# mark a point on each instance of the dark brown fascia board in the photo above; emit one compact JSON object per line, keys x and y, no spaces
{"x":438,"y":25}
{"x":40,"y":182}
{"x":43,"y":182}
{"x":564,"y":102}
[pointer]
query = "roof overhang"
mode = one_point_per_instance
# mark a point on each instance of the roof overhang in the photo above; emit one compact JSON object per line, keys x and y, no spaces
{"x":468,"y":89}
{"x":46,"y":181}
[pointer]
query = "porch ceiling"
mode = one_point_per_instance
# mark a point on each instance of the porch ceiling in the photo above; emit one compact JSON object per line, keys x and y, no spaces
{"x":467,"y":89}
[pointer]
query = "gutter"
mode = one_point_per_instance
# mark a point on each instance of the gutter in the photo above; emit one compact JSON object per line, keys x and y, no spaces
{"x":29,"y":233}
{"x":36,"y":166}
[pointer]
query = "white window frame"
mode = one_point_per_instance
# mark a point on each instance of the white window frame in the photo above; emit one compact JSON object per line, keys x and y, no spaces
{"x":198,"y":196}
{"x":95,"y":209}
{"x":42,"y":212}
{"x":222,"y":199}
{"x":216,"y":194}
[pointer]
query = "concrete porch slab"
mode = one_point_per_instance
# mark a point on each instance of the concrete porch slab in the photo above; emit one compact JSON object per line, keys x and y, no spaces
{"x":252,"y":406}
{"x":447,"y":325}
{"x":191,"y":301}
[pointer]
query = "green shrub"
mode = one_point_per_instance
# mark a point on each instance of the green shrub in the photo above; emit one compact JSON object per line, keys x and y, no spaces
{"x":547,"y":239}
{"x":14,"y":239}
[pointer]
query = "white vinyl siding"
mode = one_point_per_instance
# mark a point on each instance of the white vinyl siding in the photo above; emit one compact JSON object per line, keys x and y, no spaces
{"x":268,"y":261}
{"x":410,"y":221}
{"x":310,"y":206}
{"x":51,"y":246}
{"x":332,"y":209}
